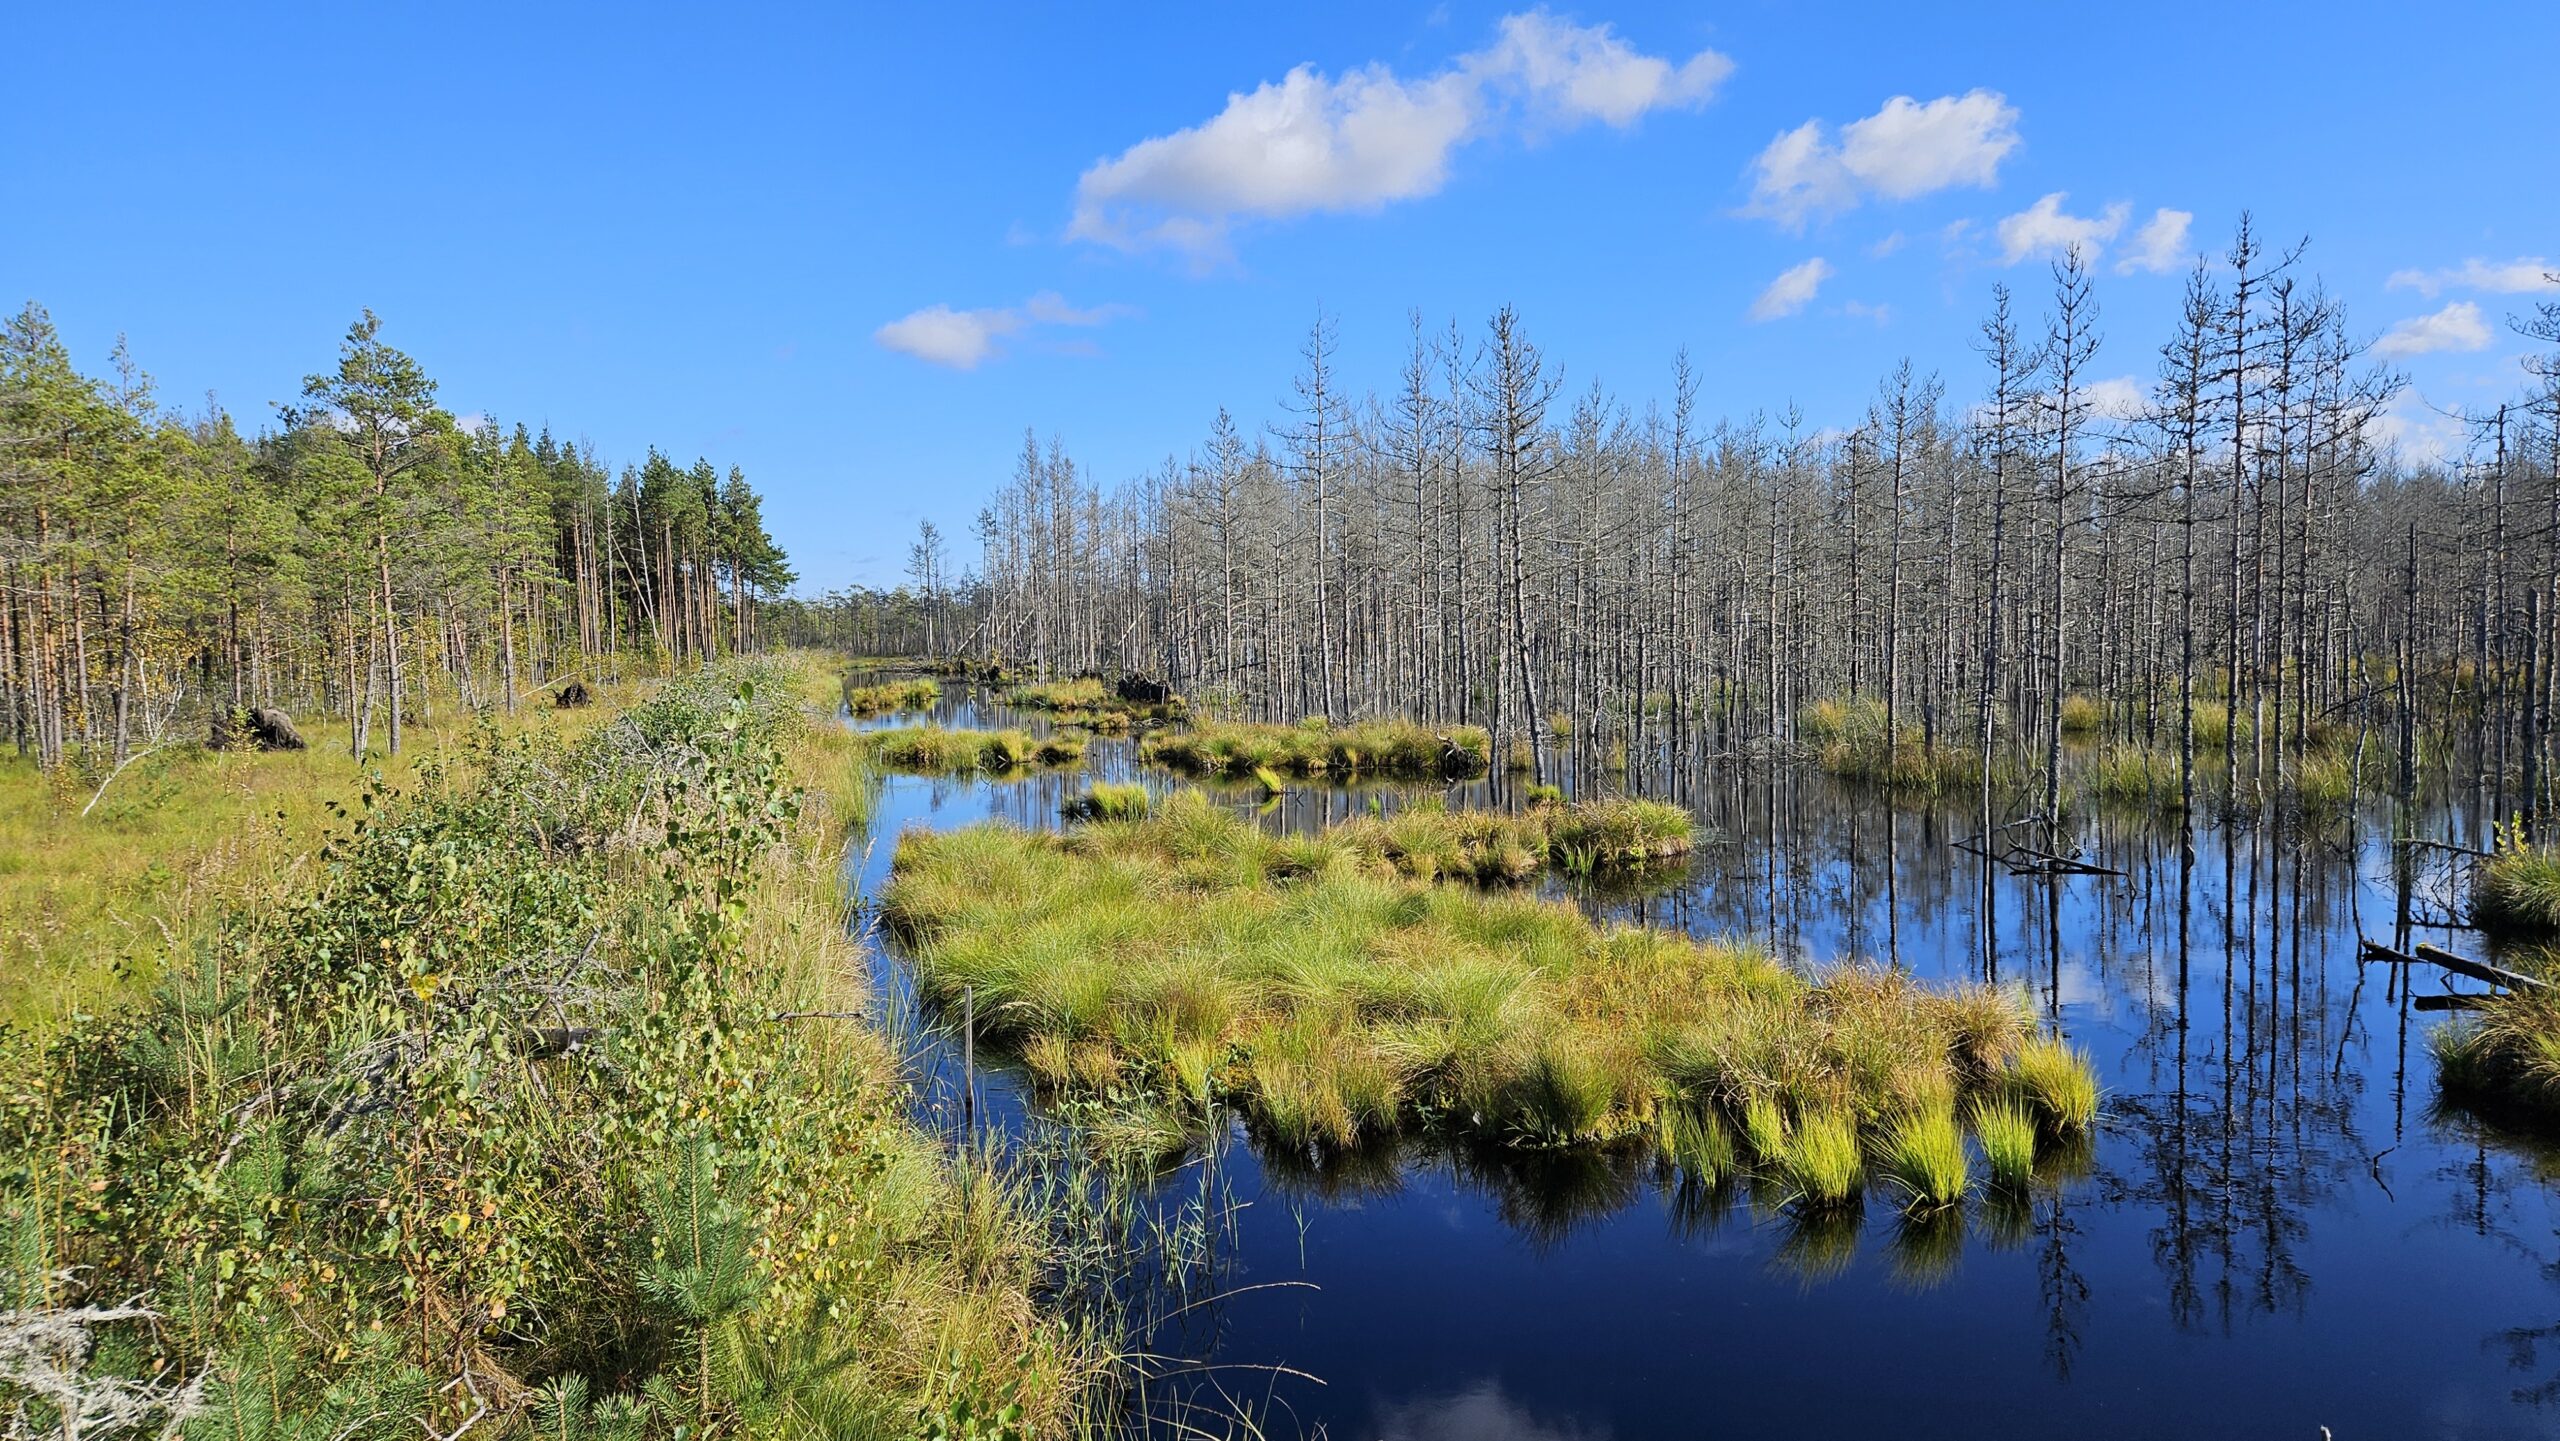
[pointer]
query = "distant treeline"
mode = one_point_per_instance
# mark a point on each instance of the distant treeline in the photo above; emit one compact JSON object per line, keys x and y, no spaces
{"x":367,"y":554}
{"x":2237,"y":533}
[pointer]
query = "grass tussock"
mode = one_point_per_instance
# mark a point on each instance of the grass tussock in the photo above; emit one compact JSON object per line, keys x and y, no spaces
{"x":2506,"y":1057}
{"x":936,"y":750}
{"x":1819,"y":1161}
{"x":1431,"y":842}
{"x":1847,"y":735}
{"x":1925,"y":1155}
{"x":2516,"y":891}
{"x":1380,"y":749}
{"x":2326,"y":780}
{"x":2052,"y":1078}
{"x":1110,"y":801}
{"x":1335,"y":997}
{"x":2129,"y":773}
{"x":889,"y":697}
{"x":2081,"y":715}
{"x":2006,"y":1130}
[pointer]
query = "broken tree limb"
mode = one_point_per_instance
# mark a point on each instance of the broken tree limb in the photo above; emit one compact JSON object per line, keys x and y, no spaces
{"x":2438,"y":956}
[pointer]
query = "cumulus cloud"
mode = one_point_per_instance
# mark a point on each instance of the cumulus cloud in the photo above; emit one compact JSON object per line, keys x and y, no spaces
{"x":1792,"y":290}
{"x":2160,"y":246}
{"x":2498,"y":277}
{"x":2456,"y":327}
{"x":964,"y":339}
{"x":2419,"y":432}
{"x":1907,"y":149}
{"x":1312,"y":143}
{"x":2045,"y":228}
{"x":2119,"y":398}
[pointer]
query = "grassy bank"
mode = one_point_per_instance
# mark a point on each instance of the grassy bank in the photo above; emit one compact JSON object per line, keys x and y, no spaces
{"x":1381,"y":749}
{"x":88,"y":901}
{"x":935,"y":750}
{"x":527,"y":1107}
{"x":1186,"y":957}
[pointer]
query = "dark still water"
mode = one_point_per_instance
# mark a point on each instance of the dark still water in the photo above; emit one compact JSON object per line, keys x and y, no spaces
{"x":2277,"y":1229}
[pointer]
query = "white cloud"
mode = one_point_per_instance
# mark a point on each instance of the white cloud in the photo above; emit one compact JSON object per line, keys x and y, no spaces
{"x":1570,"y":73}
{"x":2456,"y":327}
{"x":1904,"y":150}
{"x":1880,"y":313}
{"x":1792,"y":290}
{"x":1311,"y":143}
{"x":1886,"y":246}
{"x":2119,"y":398}
{"x":2419,"y":432}
{"x":2045,"y":228}
{"x":963,"y":339}
{"x":2160,"y":246}
{"x":2498,"y":277}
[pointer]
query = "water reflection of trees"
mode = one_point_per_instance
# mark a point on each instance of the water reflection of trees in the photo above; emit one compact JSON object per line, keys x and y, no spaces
{"x":2257,"y":1073}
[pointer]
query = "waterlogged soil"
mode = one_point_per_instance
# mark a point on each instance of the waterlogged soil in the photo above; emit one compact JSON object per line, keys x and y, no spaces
{"x":2279,"y":1227}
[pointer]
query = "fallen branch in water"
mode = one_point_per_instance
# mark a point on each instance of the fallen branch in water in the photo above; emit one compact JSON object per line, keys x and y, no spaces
{"x":2428,"y":955}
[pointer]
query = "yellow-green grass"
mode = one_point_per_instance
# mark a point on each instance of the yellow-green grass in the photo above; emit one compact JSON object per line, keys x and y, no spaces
{"x":1110,"y":801}
{"x":1335,"y":999}
{"x":2081,"y":714}
{"x":2325,"y":779}
{"x":1819,"y":1160}
{"x":2516,"y":892}
{"x":1925,"y":1155}
{"x":1086,"y":701}
{"x":1082,"y":693}
{"x":2053,"y":1079}
{"x":939,"y":750}
{"x":2130,"y":773}
{"x":1432,"y":842}
{"x":1848,"y":739}
{"x":87,"y":901}
{"x":890,"y":696}
{"x":2506,"y":1057}
{"x":2006,"y":1130}
{"x":1381,"y":749}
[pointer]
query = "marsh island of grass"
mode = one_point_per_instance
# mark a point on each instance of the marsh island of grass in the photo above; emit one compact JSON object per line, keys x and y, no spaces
{"x":939,"y":750}
{"x":890,"y":697}
{"x":1186,"y":957}
{"x":1378,"y":749}
{"x":1432,"y":842}
{"x":2516,"y":892}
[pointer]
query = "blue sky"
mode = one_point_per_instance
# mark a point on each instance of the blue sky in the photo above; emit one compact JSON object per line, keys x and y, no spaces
{"x":857,"y":251}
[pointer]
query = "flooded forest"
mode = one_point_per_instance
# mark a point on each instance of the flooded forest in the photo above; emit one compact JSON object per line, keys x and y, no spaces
{"x":1476,"y":906}
{"x":2191,"y":723}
